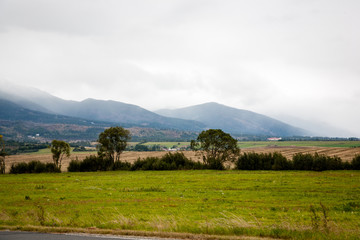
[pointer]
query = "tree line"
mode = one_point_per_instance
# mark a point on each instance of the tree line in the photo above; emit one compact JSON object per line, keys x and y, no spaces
{"x":214,"y":146}
{"x":300,"y":161}
{"x":217,"y":148}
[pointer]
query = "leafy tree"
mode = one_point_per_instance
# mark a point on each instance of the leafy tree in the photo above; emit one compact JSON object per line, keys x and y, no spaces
{"x":355,"y":163}
{"x":113,"y":142}
{"x":216,"y":147}
{"x":141,"y":148}
{"x":59,"y":149}
{"x":2,"y":155}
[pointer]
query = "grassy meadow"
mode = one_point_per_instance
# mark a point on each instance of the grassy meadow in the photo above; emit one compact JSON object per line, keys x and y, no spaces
{"x":278,"y":204}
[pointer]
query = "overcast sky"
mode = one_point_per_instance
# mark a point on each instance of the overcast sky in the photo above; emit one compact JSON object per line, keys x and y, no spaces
{"x":295,"y":60}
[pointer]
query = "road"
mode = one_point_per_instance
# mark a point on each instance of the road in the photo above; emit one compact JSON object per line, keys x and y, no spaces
{"x":17,"y":235}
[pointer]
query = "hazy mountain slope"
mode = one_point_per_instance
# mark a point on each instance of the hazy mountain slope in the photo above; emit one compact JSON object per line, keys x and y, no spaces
{"x":195,"y":118}
{"x":99,"y":110}
{"x":19,"y":99}
{"x":10,"y":111}
{"x":113,"y":111}
{"x":232,"y":120}
{"x":33,"y":98}
{"x":19,"y":123}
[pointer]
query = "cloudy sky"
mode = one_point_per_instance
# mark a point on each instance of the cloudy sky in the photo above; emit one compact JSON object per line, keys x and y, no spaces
{"x":295,"y":60}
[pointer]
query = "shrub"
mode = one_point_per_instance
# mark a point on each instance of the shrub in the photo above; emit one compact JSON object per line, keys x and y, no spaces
{"x":347,"y":165}
{"x":34,"y":167}
{"x":74,"y":166}
{"x":214,"y":163}
{"x":263,"y":161}
{"x":118,"y":165}
{"x":179,"y":161}
{"x":144,"y":164}
{"x":280,"y":162}
{"x":334,"y":163}
{"x":39,"y":168}
{"x":303,"y":161}
{"x":170,"y":161}
{"x":19,"y":168}
{"x":95,"y":163}
{"x":247,"y":161}
{"x":322,"y":162}
{"x":52,"y":168}
{"x":355,"y":163}
{"x":141,"y":148}
{"x":318,"y":162}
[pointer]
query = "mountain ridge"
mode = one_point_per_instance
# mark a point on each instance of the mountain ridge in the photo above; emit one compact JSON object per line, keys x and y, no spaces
{"x":194,"y":118}
{"x":92,"y":109}
{"x":237,"y":121}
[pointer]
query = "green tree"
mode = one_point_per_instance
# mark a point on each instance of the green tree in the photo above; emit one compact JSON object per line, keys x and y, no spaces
{"x":59,"y":149}
{"x":2,"y":155}
{"x":112,"y":142}
{"x":216,"y":146}
{"x":141,"y":148}
{"x":355,"y":163}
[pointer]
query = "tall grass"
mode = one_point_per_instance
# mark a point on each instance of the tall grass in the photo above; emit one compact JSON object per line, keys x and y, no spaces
{"x":280,"y":204}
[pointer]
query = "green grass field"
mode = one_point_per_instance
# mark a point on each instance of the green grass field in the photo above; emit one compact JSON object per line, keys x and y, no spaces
{"x":298,"y":205}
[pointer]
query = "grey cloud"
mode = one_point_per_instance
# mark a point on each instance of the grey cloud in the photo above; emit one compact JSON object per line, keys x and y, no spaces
{"x":298,"y":57}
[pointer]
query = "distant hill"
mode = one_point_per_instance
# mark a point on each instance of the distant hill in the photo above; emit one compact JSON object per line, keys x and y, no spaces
{"x":95,"y":110}
{"x":19,"y":123}
{"x":234,"y":121}
{"x":36,"y":106}
{"x":113,"y":111}
{"x":10,"y":111}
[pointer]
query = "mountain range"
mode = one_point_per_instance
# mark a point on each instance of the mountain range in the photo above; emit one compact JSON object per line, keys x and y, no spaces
{"x":232,"y":120}
{"x":24,"y":106}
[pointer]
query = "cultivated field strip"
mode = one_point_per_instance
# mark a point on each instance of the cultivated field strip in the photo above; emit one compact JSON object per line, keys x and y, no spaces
{"x":346,"y":154}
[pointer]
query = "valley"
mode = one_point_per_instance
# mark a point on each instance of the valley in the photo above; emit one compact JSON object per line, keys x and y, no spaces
{"x":345,"y":153}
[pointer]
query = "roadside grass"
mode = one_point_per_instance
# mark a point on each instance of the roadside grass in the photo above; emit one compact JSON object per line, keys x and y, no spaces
{"x":278,"y":204}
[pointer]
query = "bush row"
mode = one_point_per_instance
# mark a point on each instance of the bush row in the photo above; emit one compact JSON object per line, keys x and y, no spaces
{"x":34,"y":167}
{"x":300,"y":161}
{"x":170,"y":161}
{"x":95,"y":163}
{"x":178,"y":161}
{"x":262,"y":161}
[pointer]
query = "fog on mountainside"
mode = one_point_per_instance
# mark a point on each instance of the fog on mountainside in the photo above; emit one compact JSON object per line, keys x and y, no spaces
{"x":195,"y":118}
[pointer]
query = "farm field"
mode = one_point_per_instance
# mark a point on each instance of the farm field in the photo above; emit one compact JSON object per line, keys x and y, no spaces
{"x":254,"y":144}
{"x":346,"y":152}
{"x":277,"y":204}
{"x":346,"y":144}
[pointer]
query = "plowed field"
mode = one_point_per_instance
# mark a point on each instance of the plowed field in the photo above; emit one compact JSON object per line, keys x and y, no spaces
{"x":346,"y":154}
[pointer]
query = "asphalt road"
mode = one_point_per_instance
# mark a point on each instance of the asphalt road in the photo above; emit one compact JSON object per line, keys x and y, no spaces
{"x":17,"y":235}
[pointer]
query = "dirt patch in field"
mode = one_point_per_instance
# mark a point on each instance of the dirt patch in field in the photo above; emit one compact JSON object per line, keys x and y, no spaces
{"x":346,"y":154}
